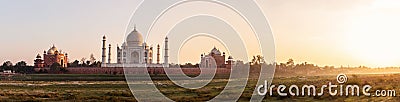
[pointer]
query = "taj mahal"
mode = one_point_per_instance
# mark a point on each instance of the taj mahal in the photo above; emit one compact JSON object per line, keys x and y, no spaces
{"x":134,"y":52}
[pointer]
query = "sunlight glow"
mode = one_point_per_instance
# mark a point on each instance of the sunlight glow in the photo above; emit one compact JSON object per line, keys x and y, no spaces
{"x":374,"y":39}
{"x":386,"y":4}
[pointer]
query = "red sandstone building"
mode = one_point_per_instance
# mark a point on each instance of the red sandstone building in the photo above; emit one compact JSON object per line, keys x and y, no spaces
{"x":215,"y":59}
{"x":53,"y":55}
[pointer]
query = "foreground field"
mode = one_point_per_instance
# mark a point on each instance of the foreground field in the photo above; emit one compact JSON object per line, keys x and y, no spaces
{"x":119,"y":91}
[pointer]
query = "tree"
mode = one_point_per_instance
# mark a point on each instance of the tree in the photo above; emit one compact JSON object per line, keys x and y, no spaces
{"x":74,"y":64}
{"x":22,"y":67}
{"x":83,"y":62}
{"x":7,"y":65}
{"x":257,"y":60}
{"x":260,"y":59}
{"x":21,"y":64}
{"x":55,"y":67}
{"x":87,"y":64}
{"x":290,"y":63}
{"x":96,"y":64}
{"x":92,"y":59}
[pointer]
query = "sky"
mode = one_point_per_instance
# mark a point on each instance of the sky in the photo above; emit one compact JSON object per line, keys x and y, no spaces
{"x":323,"y":32}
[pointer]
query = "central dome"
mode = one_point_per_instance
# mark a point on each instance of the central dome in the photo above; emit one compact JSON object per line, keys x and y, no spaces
{"x":134,"y":38}
{"x":52,"y":50}
{"x":215,"y":51}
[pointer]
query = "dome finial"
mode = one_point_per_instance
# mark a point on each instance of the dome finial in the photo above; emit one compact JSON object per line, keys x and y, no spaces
{"x":134,"y":28}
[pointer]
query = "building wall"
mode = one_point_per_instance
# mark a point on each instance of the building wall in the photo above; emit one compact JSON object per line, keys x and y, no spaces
{"x":219,"y":60}
{"x":56,"y":58}
{"x":97,"y":70}
{"x":83,"y":70}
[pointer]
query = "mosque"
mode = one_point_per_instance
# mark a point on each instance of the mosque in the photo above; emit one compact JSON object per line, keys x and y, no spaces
{"x":53,"y":55}
{"x":215,"y":60}
{"x":134,"y":53}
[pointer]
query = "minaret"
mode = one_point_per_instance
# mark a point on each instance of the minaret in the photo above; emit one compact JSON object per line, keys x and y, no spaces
{"x":103,"y":55}
{"x":109,"y":53}
{"x":66,"y":60}
{"x":145,"y":53}
{"x":166,"y":64}
{"x":158,"y":54}
{"x":118,"y":54}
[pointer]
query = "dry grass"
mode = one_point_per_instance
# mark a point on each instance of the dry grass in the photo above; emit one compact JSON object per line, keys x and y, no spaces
{"x":119,"y":90}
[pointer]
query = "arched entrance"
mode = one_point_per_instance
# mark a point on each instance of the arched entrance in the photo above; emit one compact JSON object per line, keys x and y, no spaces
{"x":135,"y":57}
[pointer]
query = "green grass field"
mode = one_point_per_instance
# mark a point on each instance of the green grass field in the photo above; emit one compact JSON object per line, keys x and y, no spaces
{"x":114,"y":88}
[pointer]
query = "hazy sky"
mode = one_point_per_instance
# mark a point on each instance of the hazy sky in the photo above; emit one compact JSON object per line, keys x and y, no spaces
{"x":324,"y":32}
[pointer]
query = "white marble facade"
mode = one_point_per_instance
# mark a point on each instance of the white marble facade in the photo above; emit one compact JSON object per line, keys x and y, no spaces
{"x":135,"y":53}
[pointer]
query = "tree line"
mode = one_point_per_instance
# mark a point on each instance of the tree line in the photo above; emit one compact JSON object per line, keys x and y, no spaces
{"x":85,"y":63}
{"x":19,"y":67}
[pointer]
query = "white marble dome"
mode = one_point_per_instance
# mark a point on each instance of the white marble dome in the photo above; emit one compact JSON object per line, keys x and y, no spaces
{"x":134,"y":38}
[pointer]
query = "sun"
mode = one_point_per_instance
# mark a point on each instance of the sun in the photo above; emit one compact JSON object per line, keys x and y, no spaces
{"x":386,"y":4}
{"x":374,"y":39}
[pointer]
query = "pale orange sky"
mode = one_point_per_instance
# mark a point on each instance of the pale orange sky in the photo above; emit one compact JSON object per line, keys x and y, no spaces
{"x":324,"y":32}
{"x":340,"y":32}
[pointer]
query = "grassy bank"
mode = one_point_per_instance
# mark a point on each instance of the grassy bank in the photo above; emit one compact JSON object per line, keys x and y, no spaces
{"x":85,"y":77}
{"x":119,"y":90}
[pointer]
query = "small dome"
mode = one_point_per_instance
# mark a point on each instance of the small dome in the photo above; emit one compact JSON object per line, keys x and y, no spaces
{"x":215,"y":51}
{"x":134,"y":38}
{"x":38,"y":56}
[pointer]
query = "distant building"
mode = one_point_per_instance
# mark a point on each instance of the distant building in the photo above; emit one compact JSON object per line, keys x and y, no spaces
{"x":215,"y":59}
{"x":53,"y":55}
